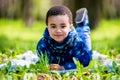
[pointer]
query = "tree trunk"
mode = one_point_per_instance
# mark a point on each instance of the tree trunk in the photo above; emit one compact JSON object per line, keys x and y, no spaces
{"x":93,"y":7}
{"x":27,"y":7}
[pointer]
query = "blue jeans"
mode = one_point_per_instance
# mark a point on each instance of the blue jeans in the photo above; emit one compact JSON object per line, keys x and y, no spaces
{"x":83,"y":30}
{"x":84,"y":34}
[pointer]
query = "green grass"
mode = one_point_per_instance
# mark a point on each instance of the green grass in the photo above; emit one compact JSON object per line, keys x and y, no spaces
{"x":106,"y":37}
{"x":14,"y":35}
{"x":16,"y":29}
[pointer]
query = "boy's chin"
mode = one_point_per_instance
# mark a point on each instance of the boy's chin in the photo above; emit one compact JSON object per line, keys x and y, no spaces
{"x":59,"y":41}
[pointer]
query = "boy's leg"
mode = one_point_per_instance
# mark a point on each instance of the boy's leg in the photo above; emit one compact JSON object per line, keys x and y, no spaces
{"x":83,"y":29}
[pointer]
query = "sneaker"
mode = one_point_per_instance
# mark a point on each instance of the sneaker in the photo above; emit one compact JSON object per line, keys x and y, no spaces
{"x":81,"y":17}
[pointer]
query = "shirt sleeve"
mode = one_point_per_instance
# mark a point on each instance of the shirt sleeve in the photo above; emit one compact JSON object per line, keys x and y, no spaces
{"x":69,"y":65}
{"x":41,"y":47}
{"x":82,"y":54}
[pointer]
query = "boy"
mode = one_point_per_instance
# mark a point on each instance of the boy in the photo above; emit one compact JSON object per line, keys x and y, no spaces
{"x":62,"y":42}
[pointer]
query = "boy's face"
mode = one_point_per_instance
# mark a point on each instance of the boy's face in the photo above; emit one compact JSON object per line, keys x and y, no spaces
{"x":59,"y":27}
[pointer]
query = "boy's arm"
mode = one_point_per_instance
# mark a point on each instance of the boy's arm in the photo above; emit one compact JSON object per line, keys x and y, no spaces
{"x":83,"y":55}
{"x":41,"y":47}
{"x":84,"y":59}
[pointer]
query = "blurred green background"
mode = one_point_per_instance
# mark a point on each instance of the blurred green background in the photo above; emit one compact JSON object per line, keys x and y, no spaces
{"x":22,"y":23}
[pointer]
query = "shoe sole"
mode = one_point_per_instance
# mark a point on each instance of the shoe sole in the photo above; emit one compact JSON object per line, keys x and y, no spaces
{"x":80,"y":14}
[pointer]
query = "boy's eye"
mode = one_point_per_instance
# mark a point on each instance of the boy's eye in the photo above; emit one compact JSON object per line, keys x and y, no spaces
{"x":53,"y":26}
{"x":63,"y":26}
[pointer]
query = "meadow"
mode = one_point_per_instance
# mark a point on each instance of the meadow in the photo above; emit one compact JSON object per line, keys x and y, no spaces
{"x":16,"y":38}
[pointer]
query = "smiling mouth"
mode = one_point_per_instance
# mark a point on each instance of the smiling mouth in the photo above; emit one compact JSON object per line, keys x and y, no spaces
{"x":58,"y":35}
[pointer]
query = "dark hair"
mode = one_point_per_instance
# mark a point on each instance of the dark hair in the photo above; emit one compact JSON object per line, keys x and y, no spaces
{"x":59,"y":10}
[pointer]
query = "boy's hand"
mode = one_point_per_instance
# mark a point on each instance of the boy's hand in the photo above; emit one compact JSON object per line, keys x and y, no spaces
{"x":56,"y":67}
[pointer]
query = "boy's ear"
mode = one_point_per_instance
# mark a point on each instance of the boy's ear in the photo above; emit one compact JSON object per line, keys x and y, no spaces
{"x":71,"y":25}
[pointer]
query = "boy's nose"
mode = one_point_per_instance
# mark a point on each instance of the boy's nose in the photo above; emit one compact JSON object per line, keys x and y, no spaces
{"x":58,"y":30}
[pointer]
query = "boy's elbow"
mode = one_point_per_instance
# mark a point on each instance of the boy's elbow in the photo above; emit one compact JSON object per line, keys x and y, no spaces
{"x":85,"y":61}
